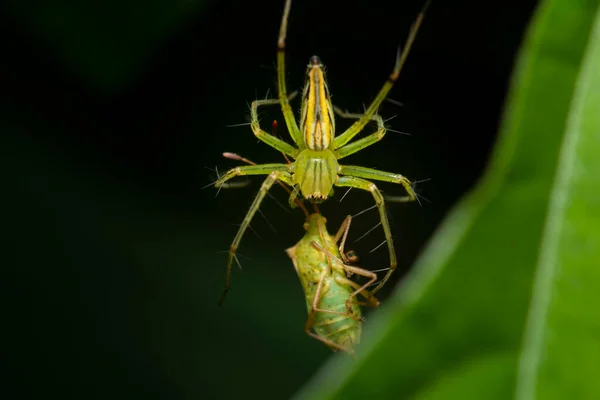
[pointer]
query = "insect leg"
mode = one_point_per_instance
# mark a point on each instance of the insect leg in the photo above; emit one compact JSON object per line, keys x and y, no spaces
{"x":311,"y":318}
{"x":362,"y":290}
{"x":372,"y":301}
{"x":351,"y":181}
{"x":347,"y":256}
{"x":330,"y":260}
{"x":342,"y":234}
{"x":273,"y":177}
{"x":387,"y":86}
{"x":288,"y":114}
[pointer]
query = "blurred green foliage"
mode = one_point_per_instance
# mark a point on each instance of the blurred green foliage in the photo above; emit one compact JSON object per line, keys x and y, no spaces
{"x":107,"y":43}
{"x":503,"y":304}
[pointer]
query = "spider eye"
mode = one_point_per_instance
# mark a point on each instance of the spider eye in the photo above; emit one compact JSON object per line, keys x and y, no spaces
{"x":317,"y":198}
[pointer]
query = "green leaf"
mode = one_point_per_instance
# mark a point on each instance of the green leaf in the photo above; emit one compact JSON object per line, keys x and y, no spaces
{"x":504,"y":302}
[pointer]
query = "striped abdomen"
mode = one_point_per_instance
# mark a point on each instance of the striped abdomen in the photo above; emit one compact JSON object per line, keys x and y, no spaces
{"x":317,"y":122}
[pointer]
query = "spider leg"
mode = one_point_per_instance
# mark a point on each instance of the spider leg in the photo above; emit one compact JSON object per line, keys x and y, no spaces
{"x":269,"y":139}
{"x":293,"y":199}
{"x":355,"y":182}
{"x":359,"y":125}
{"x":276,"y":172}
{"x":377,"y":175}
{"x":288,"y":114}
{"x":360,"y":144}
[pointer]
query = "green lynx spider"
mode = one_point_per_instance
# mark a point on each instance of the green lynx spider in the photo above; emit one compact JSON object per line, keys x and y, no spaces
{"x":316,"y":169}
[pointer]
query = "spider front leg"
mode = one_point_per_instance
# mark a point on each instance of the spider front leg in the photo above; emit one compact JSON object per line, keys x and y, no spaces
{"x":360,"y":144}
{"x":276,"y":172}
{"x":256,"y":169}
{"x":293,"y":199}
{"x":355,"y":182}
{"x":377,"y":175}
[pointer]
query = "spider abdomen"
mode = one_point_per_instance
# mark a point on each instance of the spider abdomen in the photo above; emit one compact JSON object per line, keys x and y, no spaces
{"x":317,"y":122}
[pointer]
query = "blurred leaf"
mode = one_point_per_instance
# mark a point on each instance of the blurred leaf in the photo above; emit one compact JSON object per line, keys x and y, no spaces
{"x":503,"y":303}
{"x":105,"y":42}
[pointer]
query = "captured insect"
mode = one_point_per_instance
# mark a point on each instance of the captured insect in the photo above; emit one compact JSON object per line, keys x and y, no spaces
{"x":334,"y":315}
{"x":315,"y":169}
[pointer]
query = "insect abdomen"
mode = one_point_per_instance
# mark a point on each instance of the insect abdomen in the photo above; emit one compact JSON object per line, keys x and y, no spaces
{"x":340,"y":329}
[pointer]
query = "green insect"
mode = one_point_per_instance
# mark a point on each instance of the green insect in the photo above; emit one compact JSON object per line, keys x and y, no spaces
{"x":334,"y":315}
{"x":315,"y":169}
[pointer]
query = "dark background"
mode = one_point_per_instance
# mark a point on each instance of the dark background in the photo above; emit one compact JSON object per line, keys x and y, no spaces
{"x":114,"y":118}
